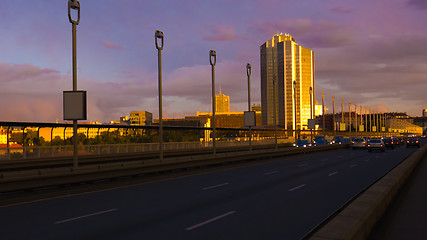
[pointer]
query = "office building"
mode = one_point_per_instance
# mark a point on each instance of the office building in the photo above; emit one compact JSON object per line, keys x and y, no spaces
{"x":141,"y":118}
{"x":284,"y":62}
{"x":222,"y":102}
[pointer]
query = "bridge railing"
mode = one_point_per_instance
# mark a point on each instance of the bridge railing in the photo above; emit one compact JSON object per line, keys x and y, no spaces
{"x":22,"y":140}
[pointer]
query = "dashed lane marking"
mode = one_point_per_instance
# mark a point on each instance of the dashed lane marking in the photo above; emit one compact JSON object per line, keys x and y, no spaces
{"x":297,"y":187}
{"x":215,"y":186}
{"x":210,"y":220}
{"x":85,"y":216}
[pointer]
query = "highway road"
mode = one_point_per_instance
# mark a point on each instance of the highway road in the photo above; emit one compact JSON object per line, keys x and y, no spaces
{"x":284,"y":199}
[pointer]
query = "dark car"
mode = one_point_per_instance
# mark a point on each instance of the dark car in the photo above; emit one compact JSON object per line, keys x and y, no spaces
{"x":388,"y":142}
{"x":375,"y":144}
{"x":413,"y":141}
{"x":396,"y":142}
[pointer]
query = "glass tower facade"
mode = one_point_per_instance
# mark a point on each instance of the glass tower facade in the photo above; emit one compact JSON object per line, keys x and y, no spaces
{"x":283,"y":61}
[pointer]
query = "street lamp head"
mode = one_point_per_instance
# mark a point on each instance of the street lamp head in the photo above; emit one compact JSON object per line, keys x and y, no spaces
{"x":212,"y":57}
{"x":74,"y":4}
{"x":159,"y":35}
{"x":248,"y":69}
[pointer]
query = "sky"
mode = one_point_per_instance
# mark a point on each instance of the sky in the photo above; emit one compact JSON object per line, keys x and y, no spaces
{"x":369,"y":52}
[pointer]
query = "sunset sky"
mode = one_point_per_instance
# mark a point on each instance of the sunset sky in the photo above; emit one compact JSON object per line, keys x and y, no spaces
{"x":370,"y":52}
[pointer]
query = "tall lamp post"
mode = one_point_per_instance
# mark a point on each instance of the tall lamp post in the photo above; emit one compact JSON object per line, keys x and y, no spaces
{"x":333,"y":113}
{"x":342,"y":111}
{"x":274,"y":111}
{"x":159,"y":36}
{"x":248,"y":73}
{"x":349,"y":116}
{"x":212,"y":60}
{"x":74,"y":4}
{"x":311,"y":112}
{"x":355,"y":115}
{"x":295,"y":107}
{"x":323,"y":112}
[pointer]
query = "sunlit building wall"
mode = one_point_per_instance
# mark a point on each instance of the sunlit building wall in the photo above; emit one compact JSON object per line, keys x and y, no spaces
{"x":286,"y":61}
{"x":141,"y":118}
{"x":222,"y":102}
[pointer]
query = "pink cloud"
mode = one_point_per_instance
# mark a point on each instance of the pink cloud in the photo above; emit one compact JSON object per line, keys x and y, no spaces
{"x":418,"y":4}
{"x":221,"y":33}
{"x":111,"y":45}
{"x":341,"y":9}
{"x":321,"y":34}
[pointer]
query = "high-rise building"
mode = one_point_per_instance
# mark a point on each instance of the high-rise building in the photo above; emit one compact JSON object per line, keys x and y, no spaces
{"x":286,"y":62}
{"x":141,"y":118}
{"x":222,"y":102}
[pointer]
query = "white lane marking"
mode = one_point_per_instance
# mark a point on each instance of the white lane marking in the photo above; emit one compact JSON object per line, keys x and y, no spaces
{"x":303,"y":165}
{"x":297,"y":187}
{"x":354,"y":165}
{"x":324,"y":160}
{"x":85,"y":216}
{"x":332,"y":174}
{"x":215,"y":186}
{"x":273,"y":172}
{"x":210,"y":220}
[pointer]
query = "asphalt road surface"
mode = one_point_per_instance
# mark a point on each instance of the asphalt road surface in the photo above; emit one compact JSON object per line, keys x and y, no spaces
{"x":285,"y":199}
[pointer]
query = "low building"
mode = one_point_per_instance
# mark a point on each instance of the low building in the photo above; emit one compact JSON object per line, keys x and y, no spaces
{"x":225,"y":119}
{"x":179,"y":122}
{"x":143,"y":118}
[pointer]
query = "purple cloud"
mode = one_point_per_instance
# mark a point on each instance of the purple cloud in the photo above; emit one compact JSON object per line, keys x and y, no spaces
{"x":419,"y":4}
{"x":221,"y":33}
{"x":310,"y":34}
{"x":341,"y":9}
{"x":111,"y":45}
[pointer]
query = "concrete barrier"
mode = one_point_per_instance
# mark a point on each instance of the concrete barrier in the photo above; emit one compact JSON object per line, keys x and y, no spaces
{"x":357,"y":219}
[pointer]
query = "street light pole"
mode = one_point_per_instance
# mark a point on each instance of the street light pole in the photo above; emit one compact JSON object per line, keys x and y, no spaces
{"x":342,"y":111}
{"x":159,"y":35}
{"x":212,"y":60}
{"x":355,"y":115}
{"x":295,"y":107}
{"x":333,"y":113}
{"x":366,"y":119}
{"x":323,"y":112}
{"x":311,"y":111}
{"x":248,"y":73}
{"x":74,"y":4}
{"x":274,"y":111}
{"x":349,"y":116}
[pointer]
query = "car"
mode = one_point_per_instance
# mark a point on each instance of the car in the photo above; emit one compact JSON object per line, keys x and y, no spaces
{"x":388,"y":142}
{"x":338,"y":139}
{"x":321,"y":140}
{"x":375,"y":144}
{"x":399,"y":140}
{"x":358,"y":143}
{"x":302,"y":143}
{"x":413,"y":141}
{"x":396,"y":142}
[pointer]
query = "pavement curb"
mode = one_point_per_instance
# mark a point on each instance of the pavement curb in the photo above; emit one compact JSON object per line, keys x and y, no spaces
{"x":357,"y":220}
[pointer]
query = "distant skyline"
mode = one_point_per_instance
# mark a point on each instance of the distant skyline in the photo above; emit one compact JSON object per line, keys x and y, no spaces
{"x":371,"y":53}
